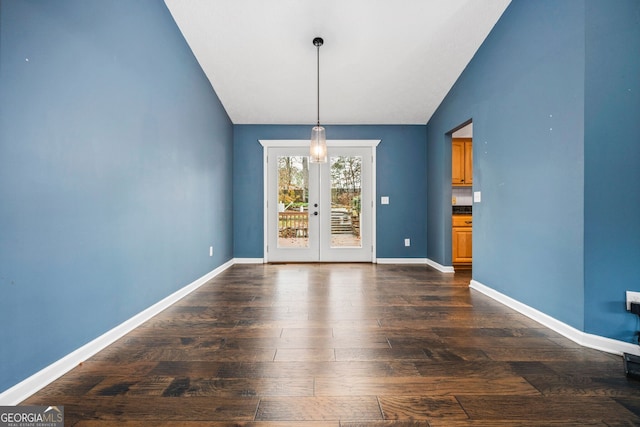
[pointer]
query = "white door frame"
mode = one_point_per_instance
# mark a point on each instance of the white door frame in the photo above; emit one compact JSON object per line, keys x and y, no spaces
{"x":269,"y":143}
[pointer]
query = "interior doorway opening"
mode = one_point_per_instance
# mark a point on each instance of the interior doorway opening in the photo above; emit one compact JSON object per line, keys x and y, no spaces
{"x":462,"y":196}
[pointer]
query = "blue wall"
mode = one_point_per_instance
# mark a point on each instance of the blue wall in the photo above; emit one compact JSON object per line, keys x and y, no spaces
{"x":115,"y":172}
{"x":612,"y":165}
{"x":524,"y":90}
{"x":401,"y":175}
{"x":554,"y":96}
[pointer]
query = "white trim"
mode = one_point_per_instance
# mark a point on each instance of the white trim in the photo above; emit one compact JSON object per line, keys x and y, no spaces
{"x":422,"y":261}
{"x":249,"y":261}
{"x":374,"y":198}
{"x":268,"y":143}
{"x":265,"y":202}
{"x":584,"y":339}
{"x":40,"y":379}
{"x":441,"y":268}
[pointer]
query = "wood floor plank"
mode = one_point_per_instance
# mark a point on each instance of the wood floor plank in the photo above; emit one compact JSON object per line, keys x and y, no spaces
{"x":423,"y":386}
{"x":71,"y":385}
{"x":378,"y":354}
{"x":466,"y":369}
{"x":308,"y":342}
{"x":589,"y":367}
{"x":305,"y":355}
{"x":181,"y":354}
{"x":409,"y":408}
{"x":319,"y":408}
{"x":482,"y":342}
{"x":543,"y":408}
{"x":573,"y":385}
{"x":295,"y":369}
{"x":343,"y":345}
{"x":543,"y":354}
{"x":203,"y":386}
{"x":307,"y":332}
{"x":94,"y":366}
{"x":505,"y":332}
{"x":117,"y":409}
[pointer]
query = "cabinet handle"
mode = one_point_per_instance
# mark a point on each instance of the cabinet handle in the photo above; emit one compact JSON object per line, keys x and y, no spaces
{"x":468,"y":222}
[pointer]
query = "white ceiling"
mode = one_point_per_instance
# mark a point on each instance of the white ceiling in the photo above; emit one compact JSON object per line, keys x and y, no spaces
{"x":383,"y":61}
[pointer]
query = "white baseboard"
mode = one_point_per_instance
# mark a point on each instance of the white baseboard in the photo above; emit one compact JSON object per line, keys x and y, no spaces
{"x":401,"y":260}
{"x":584,"y":339}
{"x":248,"y":260}
{"x":35,"y":382}
{"x":441,"y":268}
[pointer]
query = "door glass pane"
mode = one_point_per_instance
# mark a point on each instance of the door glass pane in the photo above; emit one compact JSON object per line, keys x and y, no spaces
{"x":293,"y":201}
{"x":346,"y":188}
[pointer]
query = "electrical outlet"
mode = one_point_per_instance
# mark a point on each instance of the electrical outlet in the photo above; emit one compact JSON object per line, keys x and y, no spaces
{"x":632,"y":297}
{"x":210,"y":250}
{"x":407,"y":242}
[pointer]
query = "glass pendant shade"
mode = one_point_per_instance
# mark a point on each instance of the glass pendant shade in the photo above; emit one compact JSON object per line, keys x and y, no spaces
{"x":318,"y":150}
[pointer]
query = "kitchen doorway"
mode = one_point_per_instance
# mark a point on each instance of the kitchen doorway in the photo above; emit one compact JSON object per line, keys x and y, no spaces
{"x":462,"y":196}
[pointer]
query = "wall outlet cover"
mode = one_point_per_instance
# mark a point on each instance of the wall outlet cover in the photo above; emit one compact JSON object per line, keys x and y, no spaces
{"x":632,"y":296}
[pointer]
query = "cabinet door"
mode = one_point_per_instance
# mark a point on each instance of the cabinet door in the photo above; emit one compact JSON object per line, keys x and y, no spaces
{"x":457,"y":162}
{"x":468,"y":162}
{"x":461,"y":244}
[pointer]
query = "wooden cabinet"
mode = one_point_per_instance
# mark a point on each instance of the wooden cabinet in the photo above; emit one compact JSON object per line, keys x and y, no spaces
{"x":461,"y":239}
{"x":461,"y":162}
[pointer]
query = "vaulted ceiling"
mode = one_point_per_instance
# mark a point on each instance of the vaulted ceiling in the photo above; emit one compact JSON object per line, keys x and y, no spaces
{"x":383,"y":61}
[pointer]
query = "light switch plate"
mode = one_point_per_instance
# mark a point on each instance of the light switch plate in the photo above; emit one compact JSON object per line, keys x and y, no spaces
{"x":384,"y":200}
{"x":477,"y":197}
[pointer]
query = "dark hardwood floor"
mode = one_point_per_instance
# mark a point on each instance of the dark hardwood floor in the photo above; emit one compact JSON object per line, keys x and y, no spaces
{"x":344,"y":345}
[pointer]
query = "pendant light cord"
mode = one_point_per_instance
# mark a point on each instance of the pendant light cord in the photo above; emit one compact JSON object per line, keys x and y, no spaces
{"x":318,"y":73}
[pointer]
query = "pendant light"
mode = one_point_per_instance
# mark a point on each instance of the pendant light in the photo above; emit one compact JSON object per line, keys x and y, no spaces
{"x":318,"y":148}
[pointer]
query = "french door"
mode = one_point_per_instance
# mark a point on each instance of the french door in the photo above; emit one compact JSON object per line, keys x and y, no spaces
{"x":319,"y":211}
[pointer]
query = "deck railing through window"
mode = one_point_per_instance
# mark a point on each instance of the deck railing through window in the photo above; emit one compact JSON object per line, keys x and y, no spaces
{"x":293,"y":224}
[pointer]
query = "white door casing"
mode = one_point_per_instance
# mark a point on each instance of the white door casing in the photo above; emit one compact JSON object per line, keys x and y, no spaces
{"x":320,"y":244}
